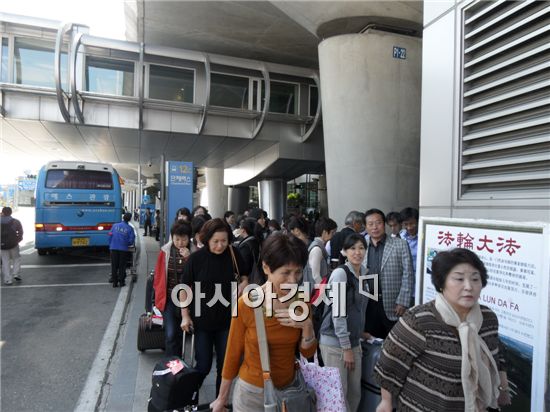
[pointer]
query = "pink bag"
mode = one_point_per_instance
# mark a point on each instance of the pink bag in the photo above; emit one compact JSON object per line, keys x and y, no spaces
{"x":327,"y":385}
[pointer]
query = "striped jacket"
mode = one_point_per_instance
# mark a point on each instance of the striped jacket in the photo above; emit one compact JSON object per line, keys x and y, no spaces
{"x":421,"y":359}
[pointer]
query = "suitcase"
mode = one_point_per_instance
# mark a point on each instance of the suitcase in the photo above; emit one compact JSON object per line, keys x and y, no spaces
{"x":175,"y":383}
{"x":149,"y":292}
{"x":150,"y":336}
{"x":370,"y":391}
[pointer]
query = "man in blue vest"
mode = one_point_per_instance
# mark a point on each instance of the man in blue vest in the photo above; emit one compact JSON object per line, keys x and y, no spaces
{"x":121,"y":237}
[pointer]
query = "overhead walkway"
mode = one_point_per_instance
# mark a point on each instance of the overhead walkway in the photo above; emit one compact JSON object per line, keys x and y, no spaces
{"x":128,"y":103}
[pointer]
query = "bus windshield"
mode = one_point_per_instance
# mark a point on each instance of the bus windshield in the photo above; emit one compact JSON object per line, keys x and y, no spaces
{"x":79,"y":179}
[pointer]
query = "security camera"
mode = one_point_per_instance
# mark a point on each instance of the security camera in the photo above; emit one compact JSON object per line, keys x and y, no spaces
{"x":149,"y":163}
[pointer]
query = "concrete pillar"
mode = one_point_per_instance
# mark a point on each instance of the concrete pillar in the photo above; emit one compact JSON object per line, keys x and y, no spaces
{"x":238,"y":197}
{"x":217,"y":192}
{"x":273,"y":197}
{"x":371,"y":121}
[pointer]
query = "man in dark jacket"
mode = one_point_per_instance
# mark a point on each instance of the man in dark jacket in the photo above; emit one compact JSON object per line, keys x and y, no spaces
{"x":12,"y":233}
{"x":121,"y":237}
{"x":354,"y":224}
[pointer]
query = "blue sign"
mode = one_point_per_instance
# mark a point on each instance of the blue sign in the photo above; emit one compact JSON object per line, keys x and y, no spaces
{"x":180,"y":189}
{"x":26,"y":184}
{"x":399,"y":53}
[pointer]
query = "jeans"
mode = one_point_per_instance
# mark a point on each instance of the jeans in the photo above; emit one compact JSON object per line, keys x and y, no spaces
{"x":11,"y":257}
{"x":118,"y":265}
{"x":205,"y":341}
{"x":173,"y":334}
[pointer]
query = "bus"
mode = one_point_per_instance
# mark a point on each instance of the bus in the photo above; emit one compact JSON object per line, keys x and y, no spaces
{"x":77,"y":203}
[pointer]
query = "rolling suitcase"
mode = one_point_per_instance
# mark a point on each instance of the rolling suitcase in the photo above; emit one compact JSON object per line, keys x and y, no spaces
{"x":150,"y":335}
{"x":175,"y":383}
{"x":370,"y":391}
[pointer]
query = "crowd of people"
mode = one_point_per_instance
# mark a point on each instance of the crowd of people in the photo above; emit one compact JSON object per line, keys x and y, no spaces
{"x":442,"y":355}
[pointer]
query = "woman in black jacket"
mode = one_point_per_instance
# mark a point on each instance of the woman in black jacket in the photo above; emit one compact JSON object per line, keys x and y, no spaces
{"x":210,"y":269}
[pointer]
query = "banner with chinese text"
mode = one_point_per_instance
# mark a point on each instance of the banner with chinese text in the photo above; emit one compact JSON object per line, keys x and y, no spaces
{"x":516,"y":258}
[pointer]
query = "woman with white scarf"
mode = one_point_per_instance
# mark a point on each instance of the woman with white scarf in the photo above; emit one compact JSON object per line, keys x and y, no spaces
{"x":445,"y":355}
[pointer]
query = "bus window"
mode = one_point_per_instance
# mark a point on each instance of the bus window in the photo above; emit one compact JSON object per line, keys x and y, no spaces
{"x":79,"y":179}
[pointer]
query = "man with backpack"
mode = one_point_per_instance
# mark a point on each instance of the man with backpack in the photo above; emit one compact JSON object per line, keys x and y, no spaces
{"x":11,"y":233}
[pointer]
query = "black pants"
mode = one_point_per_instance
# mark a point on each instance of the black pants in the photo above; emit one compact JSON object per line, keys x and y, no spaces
{"x":147,"y":225}
{"x":205,"y":342}
{"x":118,"y":265}
{"x":173,"y":334}
{"x":376,"y":321}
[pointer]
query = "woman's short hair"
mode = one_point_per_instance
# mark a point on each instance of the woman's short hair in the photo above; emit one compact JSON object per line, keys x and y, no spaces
{"x":181,"y":229}
{"x":281,"y":249}
{"x":445,"y":261}
{"x":184,"y":212}
{"x":197,"y":223}
{"x":299,"y":223}
{"x":212,"y":226}
{"x":324,"y":224}
{"x":274,"y":224}
{"x":248,"y":225}
{"x":352,"y":239}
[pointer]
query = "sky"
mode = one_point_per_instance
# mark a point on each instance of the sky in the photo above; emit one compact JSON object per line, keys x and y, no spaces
{"x":105,"y":18}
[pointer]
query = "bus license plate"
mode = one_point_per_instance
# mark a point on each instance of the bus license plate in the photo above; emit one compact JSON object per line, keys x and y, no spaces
{"x":80,"y":241}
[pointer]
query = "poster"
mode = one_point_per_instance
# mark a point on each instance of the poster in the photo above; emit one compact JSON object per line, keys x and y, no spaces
{"x":516,"y":258}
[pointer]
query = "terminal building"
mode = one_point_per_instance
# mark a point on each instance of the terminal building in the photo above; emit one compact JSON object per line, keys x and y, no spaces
{"x":440,"y":105}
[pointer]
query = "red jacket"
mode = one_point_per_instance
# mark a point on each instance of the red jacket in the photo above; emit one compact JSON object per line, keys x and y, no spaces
{"x":160,"y":280}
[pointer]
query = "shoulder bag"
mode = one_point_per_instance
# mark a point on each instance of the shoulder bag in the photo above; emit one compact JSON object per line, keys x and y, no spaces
{"x":297,"y":396}
{"x":235,"y":266}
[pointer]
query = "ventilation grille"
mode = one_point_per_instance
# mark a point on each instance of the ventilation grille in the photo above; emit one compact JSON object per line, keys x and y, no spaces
{"x":505,"y":151}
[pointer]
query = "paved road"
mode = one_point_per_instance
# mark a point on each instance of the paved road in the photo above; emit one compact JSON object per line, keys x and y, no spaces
{"x":52,"y":325}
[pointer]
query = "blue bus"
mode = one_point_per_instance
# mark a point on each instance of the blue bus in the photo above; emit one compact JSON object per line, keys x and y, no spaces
{"x":77,"y":203}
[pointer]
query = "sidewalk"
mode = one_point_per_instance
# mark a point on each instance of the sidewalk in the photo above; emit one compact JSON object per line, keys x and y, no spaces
{"x":128,"y":380}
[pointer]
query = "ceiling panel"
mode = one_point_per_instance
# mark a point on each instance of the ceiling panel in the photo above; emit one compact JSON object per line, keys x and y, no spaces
{"x":11,"y":135}
{"x":229,"y":147}
{"x":202,"y":147}
{"x":105,"y":154}
{"x":124,"y":137}
{"x":33,"y":130}
{"x":127,"y":154}
{"x":65,"y":133}
{"x":96,"y":136}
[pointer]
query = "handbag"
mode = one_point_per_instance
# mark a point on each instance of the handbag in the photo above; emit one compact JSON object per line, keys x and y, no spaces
{"x":295,"y":397}
{"x":327,"y":385}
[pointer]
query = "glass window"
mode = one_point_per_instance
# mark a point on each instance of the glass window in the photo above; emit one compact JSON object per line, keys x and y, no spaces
{"x":33,"y":63}
{"x":79,"y":179}
{"x":109,"y":76}
{"x":229,"y":91}
{"x":4,"y":66}
{"x":169,"y":83}
{"x":283,"y":98}
{"x":313,"y":100}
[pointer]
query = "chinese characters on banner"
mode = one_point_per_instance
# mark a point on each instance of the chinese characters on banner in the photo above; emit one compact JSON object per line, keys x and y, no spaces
{"x":516,"y":291}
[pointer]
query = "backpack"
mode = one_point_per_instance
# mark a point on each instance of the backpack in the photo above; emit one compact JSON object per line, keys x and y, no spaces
{"x":9,"y":235}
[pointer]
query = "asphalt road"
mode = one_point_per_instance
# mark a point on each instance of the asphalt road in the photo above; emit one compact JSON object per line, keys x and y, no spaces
{"x":52,"y":324}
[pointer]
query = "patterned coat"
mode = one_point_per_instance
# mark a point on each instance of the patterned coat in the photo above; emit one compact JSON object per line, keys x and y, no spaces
{"x":421,"y":360}
{"x":396,"y":275}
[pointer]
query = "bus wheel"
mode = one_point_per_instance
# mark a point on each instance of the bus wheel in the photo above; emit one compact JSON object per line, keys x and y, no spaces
{"x":42,"y":252}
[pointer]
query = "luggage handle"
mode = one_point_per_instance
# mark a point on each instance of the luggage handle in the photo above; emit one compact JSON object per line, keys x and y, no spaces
{"x":191,"y":364}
